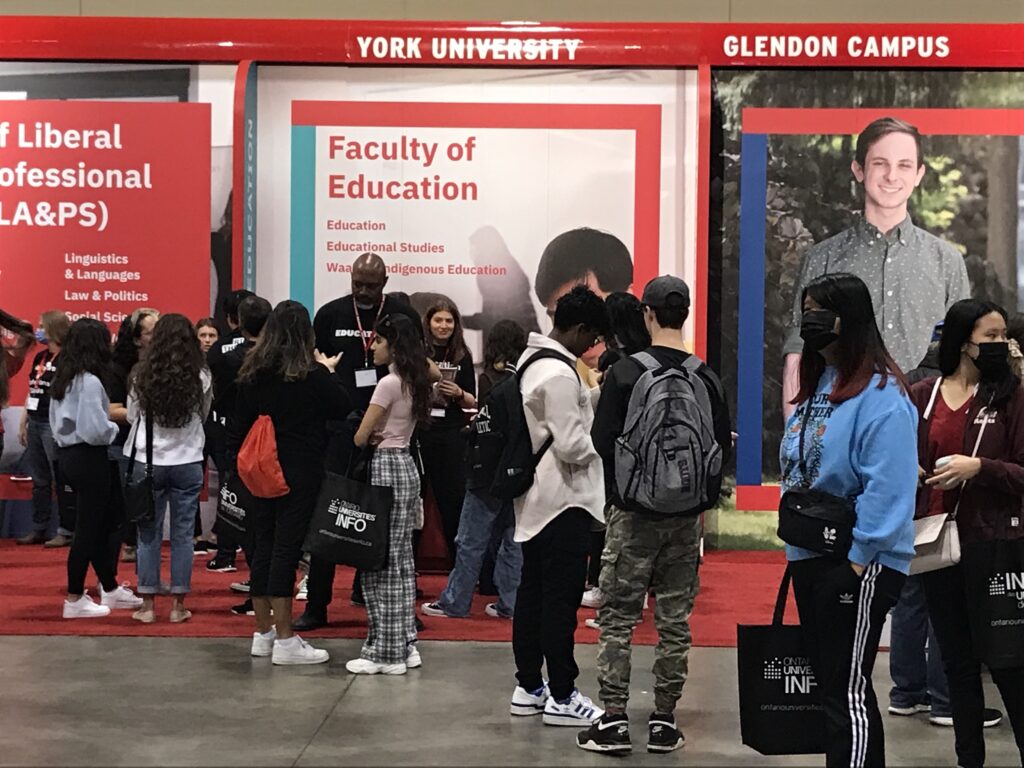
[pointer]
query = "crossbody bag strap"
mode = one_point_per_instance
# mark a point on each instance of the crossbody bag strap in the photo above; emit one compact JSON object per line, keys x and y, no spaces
{"x":983,"y":413}
{"x":149,"y":444}
{"x":803,"y":433}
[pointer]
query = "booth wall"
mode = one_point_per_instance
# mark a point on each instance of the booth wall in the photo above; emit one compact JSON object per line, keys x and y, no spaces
{"x":566,"y":10}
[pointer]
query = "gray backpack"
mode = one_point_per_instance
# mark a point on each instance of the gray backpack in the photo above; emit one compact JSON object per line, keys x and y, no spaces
{"x":667,"y":459}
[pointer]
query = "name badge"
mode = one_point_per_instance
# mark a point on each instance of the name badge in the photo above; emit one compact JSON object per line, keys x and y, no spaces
{"x":32,"y":404}
{"x":437,"y":413}
{"x":366,"y":377}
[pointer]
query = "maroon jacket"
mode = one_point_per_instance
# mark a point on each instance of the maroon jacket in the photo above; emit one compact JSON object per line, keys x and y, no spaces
{"x":990,"y":503}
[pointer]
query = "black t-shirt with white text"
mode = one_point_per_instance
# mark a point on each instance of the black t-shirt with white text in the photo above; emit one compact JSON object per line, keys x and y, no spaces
{"x":337,"y":331}
{"x":40,"y":377}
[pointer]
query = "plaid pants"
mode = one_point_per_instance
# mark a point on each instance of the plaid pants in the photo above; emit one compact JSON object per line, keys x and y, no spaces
{"x":391,"y":594}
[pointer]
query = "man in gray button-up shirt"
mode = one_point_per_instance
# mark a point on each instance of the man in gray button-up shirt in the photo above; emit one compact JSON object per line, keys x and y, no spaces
{"x":913,"y":276}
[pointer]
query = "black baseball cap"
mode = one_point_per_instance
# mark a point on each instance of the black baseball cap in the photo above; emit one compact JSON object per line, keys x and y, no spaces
{"x":666,"y":292}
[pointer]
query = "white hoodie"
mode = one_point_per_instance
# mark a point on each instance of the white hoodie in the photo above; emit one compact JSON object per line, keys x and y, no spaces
{"x":570,"y":474}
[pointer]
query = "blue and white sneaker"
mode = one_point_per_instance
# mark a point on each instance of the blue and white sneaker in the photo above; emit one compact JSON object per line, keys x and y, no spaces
{"x":525,"y":703}
{"x":575,"y":712}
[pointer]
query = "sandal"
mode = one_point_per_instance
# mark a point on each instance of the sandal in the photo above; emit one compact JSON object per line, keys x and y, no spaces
{"x":146,"y":616}
{"x":177,"y":617}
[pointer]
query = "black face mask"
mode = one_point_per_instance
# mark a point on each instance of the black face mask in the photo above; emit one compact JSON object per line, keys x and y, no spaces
{"x":817,"y":328}
{"x":993,"y":360}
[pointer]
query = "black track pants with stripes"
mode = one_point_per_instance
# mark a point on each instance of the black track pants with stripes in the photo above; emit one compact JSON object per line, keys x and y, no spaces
{"x":842,"y":615}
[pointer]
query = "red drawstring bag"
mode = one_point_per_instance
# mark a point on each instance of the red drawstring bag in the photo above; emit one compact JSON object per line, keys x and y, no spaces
{"x":258,"y":466}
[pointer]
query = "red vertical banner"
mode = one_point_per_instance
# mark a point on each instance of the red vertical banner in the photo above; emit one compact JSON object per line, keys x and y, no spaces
{"x":104,"y":207}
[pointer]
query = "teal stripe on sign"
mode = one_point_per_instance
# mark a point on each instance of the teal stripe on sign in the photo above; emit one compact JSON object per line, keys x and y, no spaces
{"x":303,"y":235}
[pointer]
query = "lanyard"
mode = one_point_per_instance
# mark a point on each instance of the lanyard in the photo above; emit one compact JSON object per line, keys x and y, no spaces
{"x":367,"y":342}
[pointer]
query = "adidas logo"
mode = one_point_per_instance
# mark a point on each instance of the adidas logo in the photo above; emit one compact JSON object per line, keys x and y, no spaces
{"x":829,"y":535}
{"x":846,"y":599}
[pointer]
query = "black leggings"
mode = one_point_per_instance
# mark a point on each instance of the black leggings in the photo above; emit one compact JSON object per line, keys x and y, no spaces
{"x":444,"y":465}
{"x":88,"y":471}
{"x":947,"y":605}
{"x":277,"y":530}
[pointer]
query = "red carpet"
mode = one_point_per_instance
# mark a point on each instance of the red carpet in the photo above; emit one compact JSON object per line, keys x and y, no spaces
{"x":736,"y":587}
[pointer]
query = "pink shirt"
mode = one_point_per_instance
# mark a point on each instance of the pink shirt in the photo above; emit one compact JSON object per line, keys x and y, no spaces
{"x":398,"y":422}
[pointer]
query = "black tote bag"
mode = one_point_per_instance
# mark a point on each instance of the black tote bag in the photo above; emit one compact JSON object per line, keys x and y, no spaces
{"x":139,"y":504}
{"x":994,"y":576}
{"x":234,"y":505}
{"x":351,"y":523}
{"x":780,"y":707}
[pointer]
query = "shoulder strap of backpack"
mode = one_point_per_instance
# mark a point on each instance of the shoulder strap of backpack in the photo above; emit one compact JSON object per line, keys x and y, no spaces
{"x":544,"y":354}
{"x":647,"y":361}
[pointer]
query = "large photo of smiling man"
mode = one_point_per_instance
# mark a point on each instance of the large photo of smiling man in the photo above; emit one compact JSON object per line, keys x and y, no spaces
{"x":913,"y":276}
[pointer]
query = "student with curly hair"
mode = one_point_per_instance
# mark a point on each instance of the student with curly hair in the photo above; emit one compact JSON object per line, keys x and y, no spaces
{"x":173,"y":388}
{"x":400,"y":401}
{"x":133,"y":339}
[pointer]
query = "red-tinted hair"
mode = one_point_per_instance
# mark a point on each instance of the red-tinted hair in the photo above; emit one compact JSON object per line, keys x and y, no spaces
{"x":860,"y":352}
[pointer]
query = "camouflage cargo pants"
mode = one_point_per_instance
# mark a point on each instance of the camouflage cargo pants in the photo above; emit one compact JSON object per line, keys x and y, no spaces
{"x":642,"y":552}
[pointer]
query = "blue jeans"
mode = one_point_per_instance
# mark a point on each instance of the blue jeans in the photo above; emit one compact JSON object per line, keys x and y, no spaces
{"x":40,"y":459}
{"x":917,"y":674}
{"x":483,"y":517}
{"x":178,"y":487}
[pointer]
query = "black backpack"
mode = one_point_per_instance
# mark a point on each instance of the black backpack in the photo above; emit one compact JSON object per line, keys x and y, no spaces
{"x":502,"y":460}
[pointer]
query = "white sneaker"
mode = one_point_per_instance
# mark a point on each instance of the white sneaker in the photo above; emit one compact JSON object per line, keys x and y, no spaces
{"x":413,"y":660}
{"x":303,"y":591}
{"x":525,"y":703}
{"x":577,"y":712}
{"x":122,"y":597}
{"x":592,"y":598}
{"x":84,"y":608}
{"x":295,"y":650}
{"x":263,"y":645}
{"x":367,"y":667}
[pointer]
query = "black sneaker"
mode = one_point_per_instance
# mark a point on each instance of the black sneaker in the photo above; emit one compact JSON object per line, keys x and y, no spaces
{"x":662,"y":733}
{"x":609,"y":733}
{"x":221,"y":565}
{"x":203,"y":547}
{"x":308,"y":622}
{"x":243,"y":609}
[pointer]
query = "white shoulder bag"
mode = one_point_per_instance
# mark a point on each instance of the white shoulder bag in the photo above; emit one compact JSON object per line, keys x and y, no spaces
{"x":936,"y":537}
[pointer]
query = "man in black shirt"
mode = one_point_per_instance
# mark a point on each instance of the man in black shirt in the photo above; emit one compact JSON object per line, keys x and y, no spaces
{"x":346,"y":326}
{"x":246,"y":318}
{"x":646,"y":549}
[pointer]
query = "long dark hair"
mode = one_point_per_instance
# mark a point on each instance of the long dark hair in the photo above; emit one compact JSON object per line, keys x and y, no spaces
{"x":126,"y":349}
{"x":457,"y":343}
{"x":86,"y":349}
{"x":167,"y":380}
{"x":961,"y":318}
{"x":860,"y":352}
{"x":284,"y":348}
{"x":626,"y":318}
{"x":506,"y":343}
{"x":409,"y":359}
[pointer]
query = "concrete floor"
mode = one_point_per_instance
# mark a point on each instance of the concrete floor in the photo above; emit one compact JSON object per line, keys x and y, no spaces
{"x":201,"y":702}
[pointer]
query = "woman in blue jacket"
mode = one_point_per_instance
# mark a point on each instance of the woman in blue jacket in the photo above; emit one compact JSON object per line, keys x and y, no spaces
{"x":859,"y":444}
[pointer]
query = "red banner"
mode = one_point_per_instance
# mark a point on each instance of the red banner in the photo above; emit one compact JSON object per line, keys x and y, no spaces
{"x":104,"y":207}
{"x":516,"y":43}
